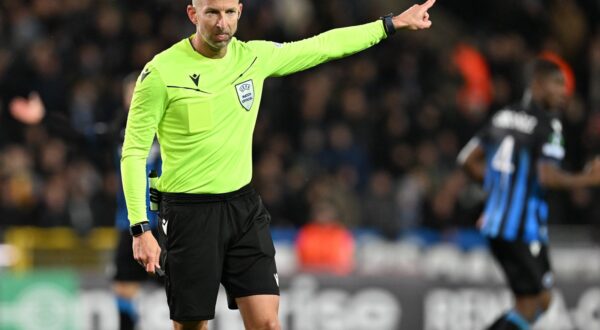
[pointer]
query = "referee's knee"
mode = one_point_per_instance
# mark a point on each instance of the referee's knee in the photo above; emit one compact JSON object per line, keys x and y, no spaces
{"x":269,"y":324}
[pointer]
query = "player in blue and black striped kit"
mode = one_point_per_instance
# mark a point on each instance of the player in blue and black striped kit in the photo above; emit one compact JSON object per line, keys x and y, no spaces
{"x":518,"y":155}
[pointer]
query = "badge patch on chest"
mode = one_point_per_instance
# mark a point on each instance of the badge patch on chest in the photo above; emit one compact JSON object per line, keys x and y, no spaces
{"x":245,"y":93}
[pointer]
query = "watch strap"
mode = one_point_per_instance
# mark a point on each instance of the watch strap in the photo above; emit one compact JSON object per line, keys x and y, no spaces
{"x":388,"y":24}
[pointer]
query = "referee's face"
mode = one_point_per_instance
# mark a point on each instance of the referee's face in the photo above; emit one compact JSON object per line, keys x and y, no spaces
{"x":215,"y":20}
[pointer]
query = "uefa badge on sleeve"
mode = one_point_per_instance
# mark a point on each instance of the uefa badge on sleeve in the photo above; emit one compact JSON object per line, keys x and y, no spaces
{"x":245,"y":93}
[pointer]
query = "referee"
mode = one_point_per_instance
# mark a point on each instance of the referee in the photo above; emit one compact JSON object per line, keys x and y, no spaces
{"x":518,"y":156}
{"x":201,"y":98}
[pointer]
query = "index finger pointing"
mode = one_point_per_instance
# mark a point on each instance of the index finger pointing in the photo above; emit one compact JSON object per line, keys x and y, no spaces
{"x":428,"y":4}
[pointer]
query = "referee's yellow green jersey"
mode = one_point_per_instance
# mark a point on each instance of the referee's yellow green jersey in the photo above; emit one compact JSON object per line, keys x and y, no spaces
{"x":204,"y":110}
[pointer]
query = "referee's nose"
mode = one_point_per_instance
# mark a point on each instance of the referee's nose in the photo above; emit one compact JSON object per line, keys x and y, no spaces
{"x":221,"y":22}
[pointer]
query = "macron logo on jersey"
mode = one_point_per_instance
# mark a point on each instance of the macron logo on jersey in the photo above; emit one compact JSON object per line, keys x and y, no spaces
{"x":144,"y":74}
{"x":195,"y":77}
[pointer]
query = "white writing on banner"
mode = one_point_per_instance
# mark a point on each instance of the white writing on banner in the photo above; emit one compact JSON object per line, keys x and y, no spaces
{"x":448,"y":262}
{"x":311,"y":302}
{"x":474,"y":309}
{"x":463,"y":309}
{"x":587,"y":314}
{"x":306,"y":306}
{"x":442,"y":261}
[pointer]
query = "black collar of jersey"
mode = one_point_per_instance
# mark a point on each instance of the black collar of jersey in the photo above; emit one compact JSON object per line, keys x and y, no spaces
{"x":531,"y":106}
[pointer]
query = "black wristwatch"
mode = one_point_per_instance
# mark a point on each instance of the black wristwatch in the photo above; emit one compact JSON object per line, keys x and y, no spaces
{"x":139,"y":228}
{"x":388,"y":24}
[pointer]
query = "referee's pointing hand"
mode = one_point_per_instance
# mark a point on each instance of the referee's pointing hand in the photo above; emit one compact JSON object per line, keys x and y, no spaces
{"x":146,"y":251}
{"x":415,"y":17}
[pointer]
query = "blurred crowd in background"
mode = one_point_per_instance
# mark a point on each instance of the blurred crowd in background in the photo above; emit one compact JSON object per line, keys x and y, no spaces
{"x":369,"y":141}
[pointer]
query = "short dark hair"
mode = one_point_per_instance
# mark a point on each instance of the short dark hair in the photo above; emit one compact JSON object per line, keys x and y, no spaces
{"x":192,"y":1}
{"x":542,"y":68}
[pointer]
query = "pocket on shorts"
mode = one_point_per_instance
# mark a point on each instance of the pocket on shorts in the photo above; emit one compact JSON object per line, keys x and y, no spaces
{"x":263,"y":231}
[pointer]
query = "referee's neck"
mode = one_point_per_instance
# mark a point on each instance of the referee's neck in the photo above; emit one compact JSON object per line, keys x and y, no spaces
{"x":206,"y":50}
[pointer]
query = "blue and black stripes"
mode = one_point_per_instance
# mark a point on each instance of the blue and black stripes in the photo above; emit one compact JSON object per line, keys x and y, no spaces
{"x":515,"y":209}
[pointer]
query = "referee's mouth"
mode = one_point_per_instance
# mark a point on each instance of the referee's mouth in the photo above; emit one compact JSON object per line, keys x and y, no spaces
{"x":222,"y":36}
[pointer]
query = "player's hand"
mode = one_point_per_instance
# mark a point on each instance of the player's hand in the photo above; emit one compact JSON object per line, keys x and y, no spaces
{"x":146,"y":251}
{"x":479,"y":223}
{"x":29,"y":111}
{"x":415,"y":17}
{"x":592,"y":169}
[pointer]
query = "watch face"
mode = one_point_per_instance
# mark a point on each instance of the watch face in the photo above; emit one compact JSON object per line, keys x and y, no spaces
{"x":135,"y":229}
{"x":138,"y":229}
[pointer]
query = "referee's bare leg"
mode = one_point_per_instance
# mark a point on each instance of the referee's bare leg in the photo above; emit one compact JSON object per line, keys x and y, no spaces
{"x":191,"y":325}
{"x":259,"y":312}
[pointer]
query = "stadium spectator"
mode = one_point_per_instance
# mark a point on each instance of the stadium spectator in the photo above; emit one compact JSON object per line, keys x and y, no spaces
{"x":324,"y":245}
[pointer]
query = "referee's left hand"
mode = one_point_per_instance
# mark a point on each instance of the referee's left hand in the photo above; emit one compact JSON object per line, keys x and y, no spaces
{"x":146,"y":251}
{"x":415,"y":17}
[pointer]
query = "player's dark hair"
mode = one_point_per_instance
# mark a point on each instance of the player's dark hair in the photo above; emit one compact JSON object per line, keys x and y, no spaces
{"x":541,"y":68}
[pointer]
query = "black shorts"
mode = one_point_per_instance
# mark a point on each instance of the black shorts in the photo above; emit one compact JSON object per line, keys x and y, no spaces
{"x":127,"y":269}
{"x":526,"y":265}
{"x":211,"y":239}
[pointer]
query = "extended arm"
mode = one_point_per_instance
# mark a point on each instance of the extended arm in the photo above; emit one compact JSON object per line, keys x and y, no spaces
{"x":287,"y":58}
{"x":552,"y":177}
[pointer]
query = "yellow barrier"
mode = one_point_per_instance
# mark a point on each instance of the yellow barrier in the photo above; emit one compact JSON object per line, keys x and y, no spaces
{"x":61,"y":247}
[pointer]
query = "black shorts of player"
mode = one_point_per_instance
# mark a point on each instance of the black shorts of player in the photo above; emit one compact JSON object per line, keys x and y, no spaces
{"x":127,"y":269}
{"x":526,"y":265}
{"x":211,"y":239}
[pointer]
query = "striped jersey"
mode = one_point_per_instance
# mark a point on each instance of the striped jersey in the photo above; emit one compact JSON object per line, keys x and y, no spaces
{"x":515,"y":141}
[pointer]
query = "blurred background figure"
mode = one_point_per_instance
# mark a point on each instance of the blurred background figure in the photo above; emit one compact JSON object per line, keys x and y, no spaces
{"x":517,"y":155}
{"x":324,"y":244}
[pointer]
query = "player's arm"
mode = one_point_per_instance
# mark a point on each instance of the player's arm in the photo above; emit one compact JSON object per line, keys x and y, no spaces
{"x":472,"y":159}
{"x":553,"y":177}
{"x":287,"y":58}
{"x":146,"y":110}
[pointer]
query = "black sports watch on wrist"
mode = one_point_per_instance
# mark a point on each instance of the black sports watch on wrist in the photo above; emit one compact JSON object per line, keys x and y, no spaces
{"x":139,"y":228}
{"x":388,"y":24}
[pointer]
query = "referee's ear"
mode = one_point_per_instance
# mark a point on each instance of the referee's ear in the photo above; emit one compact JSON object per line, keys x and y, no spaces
{"x":191,"y":12}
